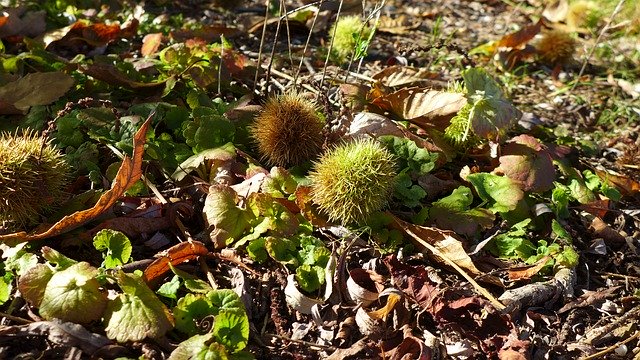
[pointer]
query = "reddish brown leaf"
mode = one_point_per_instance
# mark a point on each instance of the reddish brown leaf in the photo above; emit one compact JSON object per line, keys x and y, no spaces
{"x":521,"y":37}
{"x":598,"y":208}
{"x":130,"y":171}
{"x":526,"y":272}
{"x":151,"y":43}
{"x":413,"y":281}
{"x":175,"y":255}
{"x":76,"y":36}
{"x":526,"y":160}
{"x":626,"y":185}
{"x":303,"y":200}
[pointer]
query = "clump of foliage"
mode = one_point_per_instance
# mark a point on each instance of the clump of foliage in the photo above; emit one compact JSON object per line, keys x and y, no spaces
{"x":487,"y":115}
{"x":353,"y":180}
{"x":350,"y":36}
{"x":33,"y":175}
{"x":288,"y":131}
{"x":556,"y":47}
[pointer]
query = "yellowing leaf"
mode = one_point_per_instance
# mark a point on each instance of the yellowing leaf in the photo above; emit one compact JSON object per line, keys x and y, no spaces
{"x":74,"y":295}
{"x":137,"y":313}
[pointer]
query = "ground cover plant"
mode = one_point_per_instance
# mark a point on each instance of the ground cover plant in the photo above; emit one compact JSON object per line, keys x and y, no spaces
{"x":330,"y":179}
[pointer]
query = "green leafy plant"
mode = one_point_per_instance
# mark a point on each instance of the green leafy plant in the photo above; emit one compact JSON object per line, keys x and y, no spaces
{"x":516,"y":243}
{"x":353,"y":180}
{"x":231,"y":324}
{"x":115,"y":246}
{"x":488,"y":114}
{"x":412,"y":161}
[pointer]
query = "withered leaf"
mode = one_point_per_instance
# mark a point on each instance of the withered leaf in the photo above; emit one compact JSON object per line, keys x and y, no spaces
{"x":130,"y":171}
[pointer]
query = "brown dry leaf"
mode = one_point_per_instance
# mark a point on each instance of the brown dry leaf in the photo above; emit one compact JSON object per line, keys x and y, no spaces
{"x":526,"y":272}
{"x":303,"y":200}
{"x":208,"y":33}
{"x":398,"y":75}
{"x":422,"y":106}
{"x":598,"y":208}
{"x":447,"y":242}
{"x":413,"y":281}
{"x":58,"y":333}
{"x":81,"y":33}
{"x":175,"y":255}
{"x":521,"y":37}
{"x":626,"y":185}
{"x":33,"y":89}
{"x":412,"y":348}
{"x":413,"y":103}
{"x":112,"y":76}
{"x":17,"y":23}
{"x":603,"y":230}
{"x":446,"y":249}
{"x":130,"y":171}
{"x":397,"y":26}
{"x":151,"y":43}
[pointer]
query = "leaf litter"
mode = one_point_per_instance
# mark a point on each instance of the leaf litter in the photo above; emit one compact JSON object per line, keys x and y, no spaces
{"x":511,"y":230}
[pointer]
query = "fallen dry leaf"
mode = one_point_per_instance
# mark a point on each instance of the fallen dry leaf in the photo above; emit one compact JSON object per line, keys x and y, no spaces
{"x":422,"y":106}
{"x":527,"y":272}
{"x":33,"y":89}
{"x":175,"y":255}
{"x":130,"y":171}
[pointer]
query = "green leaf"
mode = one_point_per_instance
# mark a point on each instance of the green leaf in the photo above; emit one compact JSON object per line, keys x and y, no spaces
{"x":491,"y":114}
{"x":220,"y":211}
{"x":272,"y":216}
{"x":231,"y":328}
{"x":225,"y":299}
{"x":115,"y":246}
{"x":200,"y":347}
{"x":137,"y":313}
{"x":568,"y":257}
{"x":218,"y":156}
{"x":190,"y":310}
{"x":310,"y":277}
{"x":501,"y":193}
{"x":491,"y":117}
{"x":560,"y":198}
{"x":453,"y":213}
{"x":477,"y":80}
{"x":170,"y":288}
{"x":514,"y":244}
{"x":407,"y":192}
{"x":207,"y":130}
{"x":409,"y":155}
{"x":282,"y":250}
{"x":74,"y":295}
{"x":6,"y":287}
{"x":279,"y":183}
{"x":313,"y":251}
{"x":257,"y":251}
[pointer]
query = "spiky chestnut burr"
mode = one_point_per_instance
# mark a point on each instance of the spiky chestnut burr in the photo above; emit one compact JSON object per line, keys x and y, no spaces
{"x":288,"y":130}
{"x":33,"y":175}
{"x":556,"y":47}
{"x":353,"y":180}
{"x":346,"y":30}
